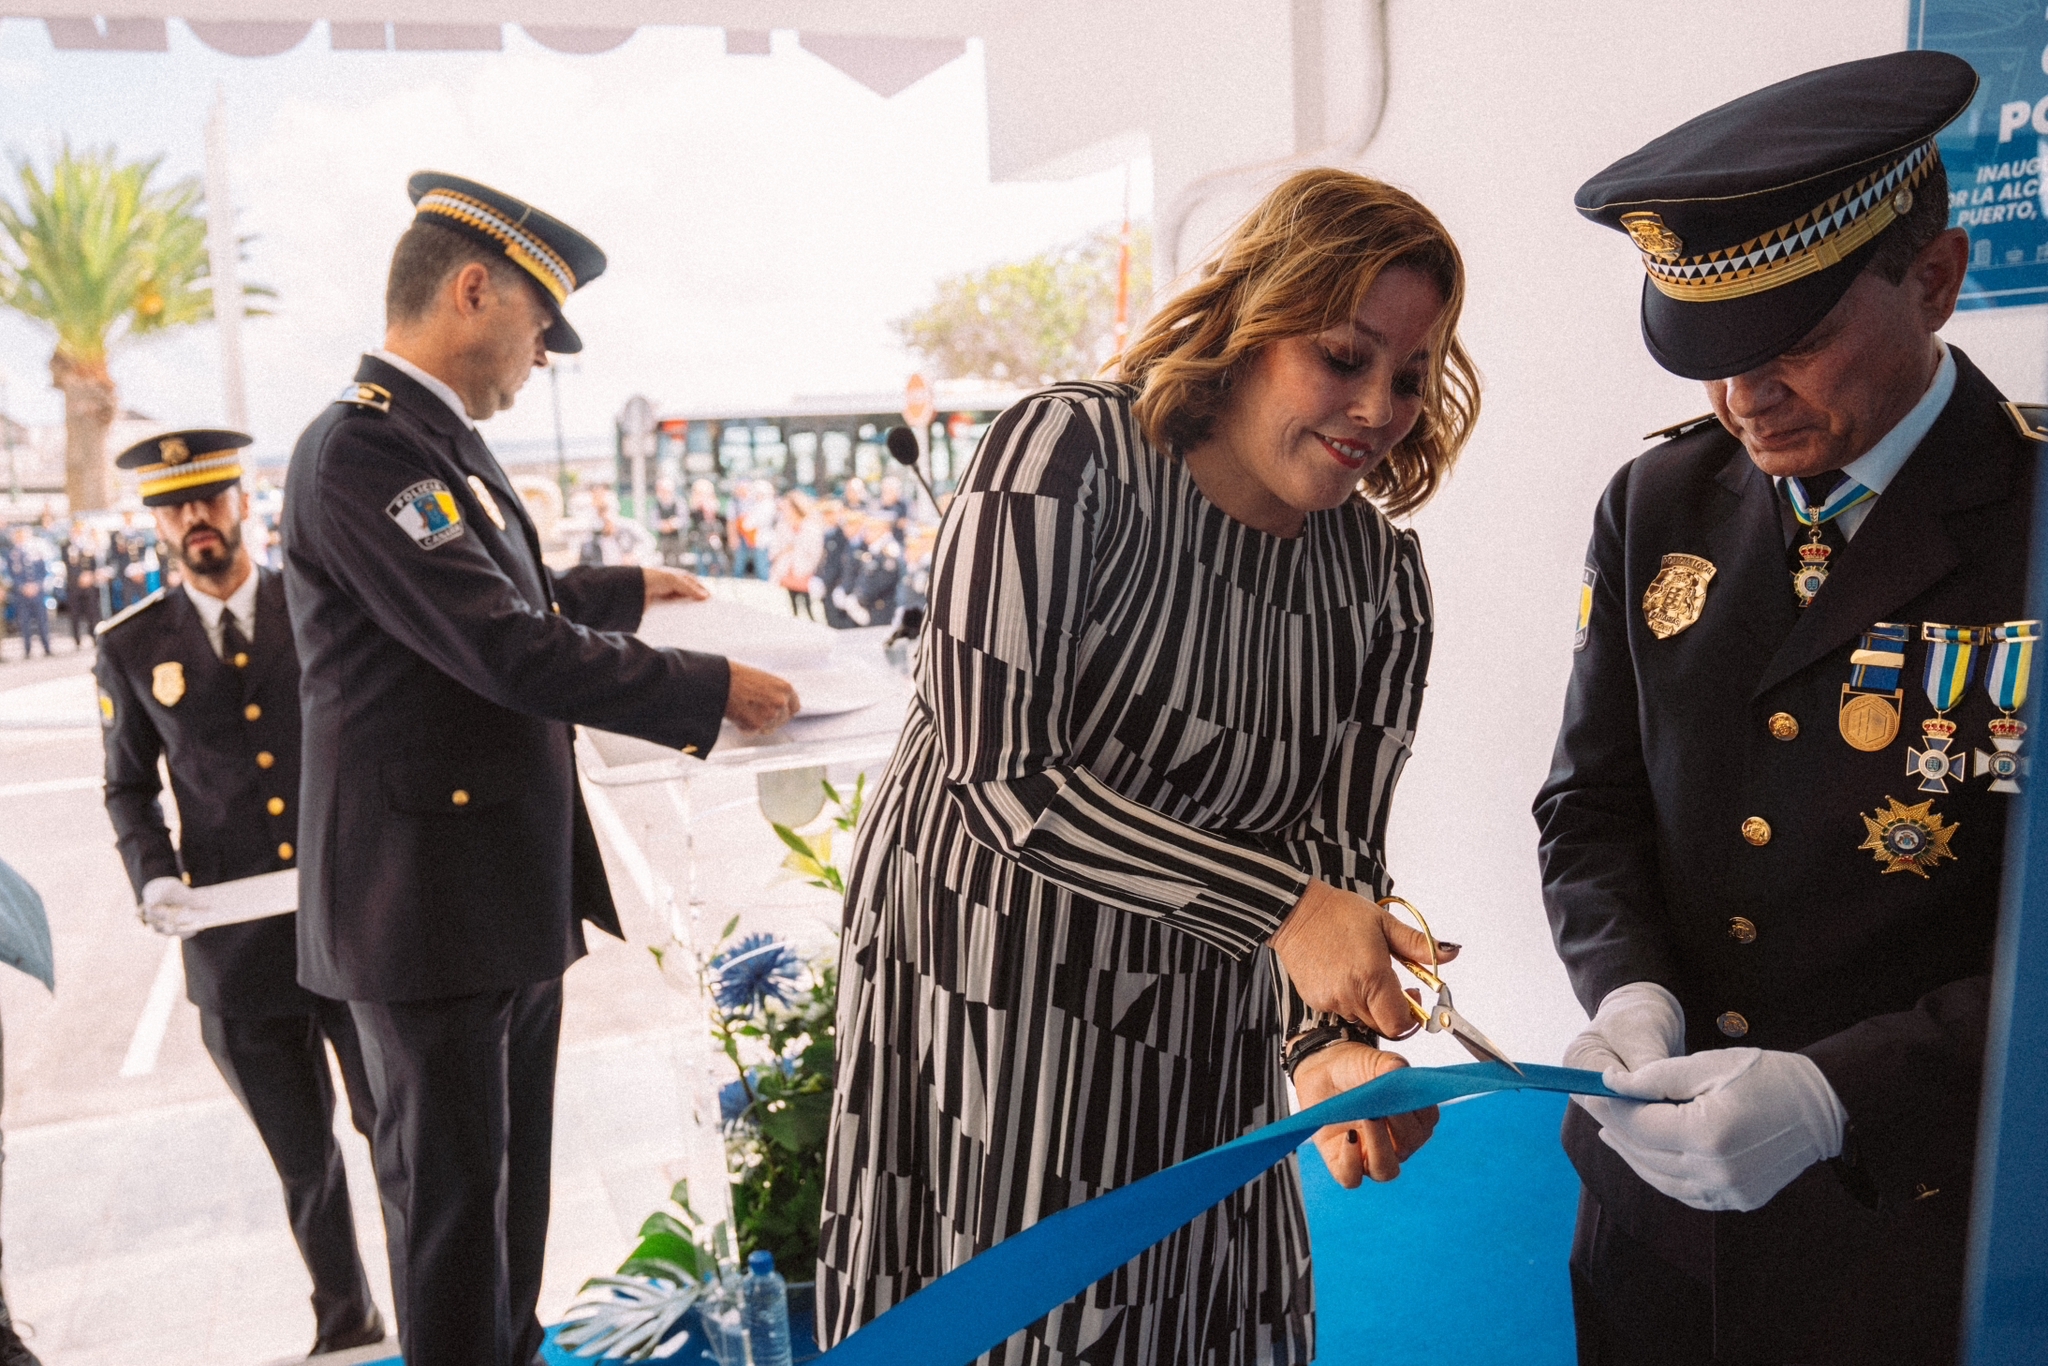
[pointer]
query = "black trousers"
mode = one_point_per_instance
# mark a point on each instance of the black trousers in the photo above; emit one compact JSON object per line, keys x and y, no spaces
{"x":1630,"y":1306}
{"x":465,"y":1089}
{"x":277,"y":1069}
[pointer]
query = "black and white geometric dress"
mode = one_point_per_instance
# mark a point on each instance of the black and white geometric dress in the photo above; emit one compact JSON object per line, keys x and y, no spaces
{"x":1142,"y":727}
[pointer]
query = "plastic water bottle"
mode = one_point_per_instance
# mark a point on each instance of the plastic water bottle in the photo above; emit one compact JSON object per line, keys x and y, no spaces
{"x":767,"y":1301}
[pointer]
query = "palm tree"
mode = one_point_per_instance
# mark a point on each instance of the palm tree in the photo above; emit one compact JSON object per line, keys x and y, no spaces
{"x":100,"y":254}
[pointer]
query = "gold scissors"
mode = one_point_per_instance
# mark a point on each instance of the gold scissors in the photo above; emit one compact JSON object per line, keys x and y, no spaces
{"x":1443,"y":1016}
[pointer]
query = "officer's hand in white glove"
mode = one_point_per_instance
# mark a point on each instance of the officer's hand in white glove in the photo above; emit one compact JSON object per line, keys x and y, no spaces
{"x":1636,"y":1024}
{"x":1726,"y":1129}
{"x":163,"y":898}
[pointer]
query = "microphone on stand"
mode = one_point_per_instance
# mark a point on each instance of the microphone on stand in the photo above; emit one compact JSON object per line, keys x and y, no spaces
{"x":903,"y":450}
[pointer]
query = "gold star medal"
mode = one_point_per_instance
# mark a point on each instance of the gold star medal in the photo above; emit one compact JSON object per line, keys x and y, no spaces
{"x":1908,"y":839}
{"x":1674,"y":598}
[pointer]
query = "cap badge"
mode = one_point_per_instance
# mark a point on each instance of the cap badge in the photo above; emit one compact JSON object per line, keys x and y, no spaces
{"x":1674,"y":598}
{"x":167,"y":682}
{"x":174,"y":450}
{"x":1908,"y":839}
{"x":1649,"y":233}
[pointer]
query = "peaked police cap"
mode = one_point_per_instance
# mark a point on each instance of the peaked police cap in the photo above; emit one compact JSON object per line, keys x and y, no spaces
{"x":1755,"y":218}
{"x":560,"y":259}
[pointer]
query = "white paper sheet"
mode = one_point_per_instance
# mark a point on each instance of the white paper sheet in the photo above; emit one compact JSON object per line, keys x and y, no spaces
{"x":248,"y":898}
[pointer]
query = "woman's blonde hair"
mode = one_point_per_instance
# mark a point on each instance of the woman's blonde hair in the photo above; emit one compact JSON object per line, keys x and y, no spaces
{"x":1297,"y":265}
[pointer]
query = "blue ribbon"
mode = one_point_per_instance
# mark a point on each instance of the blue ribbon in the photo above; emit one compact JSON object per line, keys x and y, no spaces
{"x":976,"y":1305}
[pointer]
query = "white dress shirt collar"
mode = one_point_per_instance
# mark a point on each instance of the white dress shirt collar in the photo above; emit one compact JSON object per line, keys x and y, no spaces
{"x":242,"y":602}
{"x":1877,"y":467}
{"x":433,"y":384}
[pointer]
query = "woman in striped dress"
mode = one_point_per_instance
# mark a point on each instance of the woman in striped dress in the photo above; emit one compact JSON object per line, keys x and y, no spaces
{"x":1121,"y":869}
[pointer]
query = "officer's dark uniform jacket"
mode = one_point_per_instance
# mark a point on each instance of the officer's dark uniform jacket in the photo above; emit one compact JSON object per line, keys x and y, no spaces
{"x":231,"y":737}
{"x":445,"y":849}
{"x":1667,"y":748}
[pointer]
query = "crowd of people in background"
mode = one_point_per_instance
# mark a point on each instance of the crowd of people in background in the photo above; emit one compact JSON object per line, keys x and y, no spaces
{"x":61,"y":581}
{"x":859,"y":559}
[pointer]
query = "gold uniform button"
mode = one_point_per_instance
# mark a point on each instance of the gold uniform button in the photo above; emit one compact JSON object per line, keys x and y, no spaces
{"x":251,"y":712}
{"x":1784,"y":726}
{"x":1742,"y":929}
{"x":284,"y":851}
{"x":1757,"y":830}
{"x":264,"y":758}
{"x":1731,"y":1024}
{"x":459,"y":797}
{"x":241,"y":660}
{"x":275,"y":806}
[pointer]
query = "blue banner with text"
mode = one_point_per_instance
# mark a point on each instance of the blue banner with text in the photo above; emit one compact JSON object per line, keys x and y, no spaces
{"x":1995,"y":150}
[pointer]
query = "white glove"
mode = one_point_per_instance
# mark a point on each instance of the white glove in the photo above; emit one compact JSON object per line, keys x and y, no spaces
{"x":1636,"y":1024}
{"x":1727,"y":1129}
{"x":164,"y":900}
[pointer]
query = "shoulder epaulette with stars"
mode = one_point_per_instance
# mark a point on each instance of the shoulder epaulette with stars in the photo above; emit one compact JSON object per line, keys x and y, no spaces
{"x":363,"y":394}
{"x":133,"y":609}
{"x":1679,"y":429}
{"x":2030,"y":418}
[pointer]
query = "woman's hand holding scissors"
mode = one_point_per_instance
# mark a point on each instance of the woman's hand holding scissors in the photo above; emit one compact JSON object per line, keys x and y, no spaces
{"x":1339,"y":951}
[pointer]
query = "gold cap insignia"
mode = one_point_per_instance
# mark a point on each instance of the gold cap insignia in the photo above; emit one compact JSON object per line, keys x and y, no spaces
{"x":167,"y":682}
{"x":1649,"y":233}
{"x":1674,"y":598}
{"x":174,"y":450}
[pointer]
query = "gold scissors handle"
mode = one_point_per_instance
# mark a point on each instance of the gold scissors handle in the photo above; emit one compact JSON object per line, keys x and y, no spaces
{"x":1424,"y":975}
{"x":1445,"y":1017}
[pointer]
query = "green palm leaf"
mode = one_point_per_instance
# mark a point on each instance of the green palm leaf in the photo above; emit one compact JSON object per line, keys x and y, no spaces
{"x":98,"y":250}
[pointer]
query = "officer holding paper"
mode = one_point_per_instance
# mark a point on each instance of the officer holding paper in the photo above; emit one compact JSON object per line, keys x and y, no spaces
{"x":205,"y":676}
{"x":447,"y":862}
{"x":1773,"y":833}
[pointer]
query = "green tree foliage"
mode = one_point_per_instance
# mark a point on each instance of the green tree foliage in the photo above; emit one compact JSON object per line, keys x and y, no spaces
{"x":99,"y":250}
{"x":1048,"y":317}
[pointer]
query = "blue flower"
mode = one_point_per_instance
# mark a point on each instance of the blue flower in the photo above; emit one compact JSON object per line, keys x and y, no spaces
{"x":732,"y":1103}
{"x":758,"y":969}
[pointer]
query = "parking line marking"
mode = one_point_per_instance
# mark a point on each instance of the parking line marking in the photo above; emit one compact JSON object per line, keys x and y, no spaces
{"x":148,"y":1040}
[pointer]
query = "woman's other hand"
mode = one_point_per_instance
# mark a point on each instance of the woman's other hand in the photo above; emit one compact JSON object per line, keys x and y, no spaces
{"x":1339,"y":950}
{"x":1371,"y":1147}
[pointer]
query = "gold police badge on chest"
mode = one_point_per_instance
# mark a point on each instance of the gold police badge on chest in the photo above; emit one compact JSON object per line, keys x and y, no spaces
{"x":1674,"y":598}
{"x":167,"y":682}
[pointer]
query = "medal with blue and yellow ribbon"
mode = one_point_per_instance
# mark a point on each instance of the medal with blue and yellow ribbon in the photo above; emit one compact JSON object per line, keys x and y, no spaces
{"x":1813,"y":556}
{"x":1869,"y":715}
{"x":2007,"y":664}
{"x":1950,"y":652}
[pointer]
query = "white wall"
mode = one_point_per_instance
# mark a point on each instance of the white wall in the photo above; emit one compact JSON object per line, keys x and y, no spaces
{"x":1498,"y":111}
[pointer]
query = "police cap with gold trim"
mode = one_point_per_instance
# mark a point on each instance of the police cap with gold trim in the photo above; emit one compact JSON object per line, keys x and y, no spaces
{"x":560,"y":259}
{"x":182,"y":467}
{"x":1755,"y":218}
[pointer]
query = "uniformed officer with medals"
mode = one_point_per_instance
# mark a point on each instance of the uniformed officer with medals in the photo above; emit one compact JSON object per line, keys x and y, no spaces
{"x":1773,"y":832}
{"x":446,"y":859}
{"x":204,"y":675}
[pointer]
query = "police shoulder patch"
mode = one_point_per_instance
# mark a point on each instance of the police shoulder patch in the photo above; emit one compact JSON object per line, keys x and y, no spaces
{"x":1586,"y":582}
{"x":427,"y":512}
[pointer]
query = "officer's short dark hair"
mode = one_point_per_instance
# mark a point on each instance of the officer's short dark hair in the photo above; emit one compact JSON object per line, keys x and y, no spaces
{"x":1921,"y":224}
{"x":425,"y":257}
